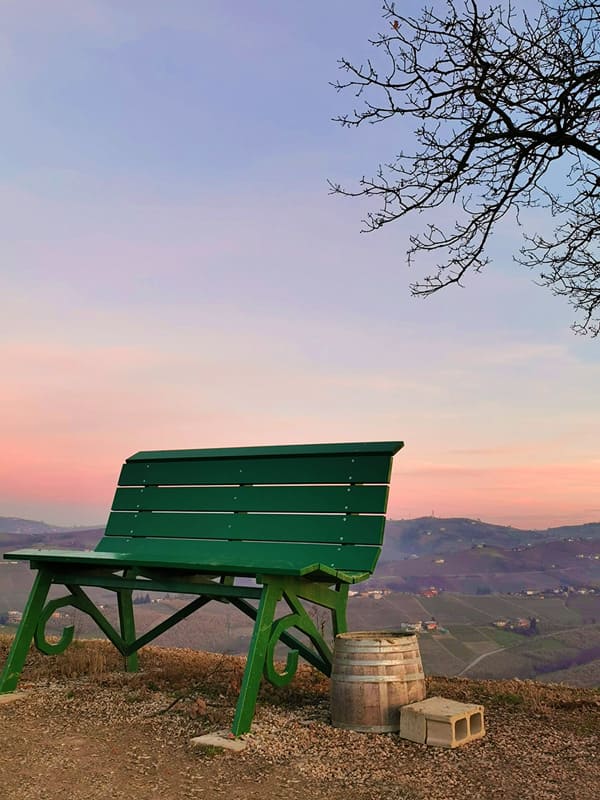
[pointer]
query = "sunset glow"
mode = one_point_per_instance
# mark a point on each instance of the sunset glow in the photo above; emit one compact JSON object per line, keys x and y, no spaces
{"x":176,"y":275}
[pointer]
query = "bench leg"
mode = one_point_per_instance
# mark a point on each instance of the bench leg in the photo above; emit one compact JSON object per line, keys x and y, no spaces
{"x":244,"y":712}
{"x":338,"y":612}
{"x":20,"y":646}
{"x":127,"y":623}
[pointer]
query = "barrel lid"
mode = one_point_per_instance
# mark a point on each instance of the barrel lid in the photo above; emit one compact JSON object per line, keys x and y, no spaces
{"x":375,"y":635}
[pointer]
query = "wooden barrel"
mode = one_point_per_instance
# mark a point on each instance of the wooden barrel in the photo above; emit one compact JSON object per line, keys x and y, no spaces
{"x":374,"y":674}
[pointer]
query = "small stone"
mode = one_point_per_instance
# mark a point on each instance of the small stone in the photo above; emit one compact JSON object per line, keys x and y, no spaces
{"x":11,"y":696}
{"x":214,"y":740}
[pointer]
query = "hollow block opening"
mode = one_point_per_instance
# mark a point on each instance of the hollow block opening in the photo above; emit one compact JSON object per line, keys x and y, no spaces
{"x":461,"y":729}
{"x":476,"y":723}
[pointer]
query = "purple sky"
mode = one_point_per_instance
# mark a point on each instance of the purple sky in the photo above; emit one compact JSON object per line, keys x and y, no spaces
{"x":175,"y":274}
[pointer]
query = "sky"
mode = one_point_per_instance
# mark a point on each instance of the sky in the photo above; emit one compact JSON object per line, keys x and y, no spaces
{"x":176,"y":274}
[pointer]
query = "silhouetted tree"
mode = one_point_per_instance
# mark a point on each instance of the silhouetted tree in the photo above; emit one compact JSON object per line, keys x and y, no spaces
{"x":533,"y":626}
{"x":141,"y":599}
{"x":506,"y":113}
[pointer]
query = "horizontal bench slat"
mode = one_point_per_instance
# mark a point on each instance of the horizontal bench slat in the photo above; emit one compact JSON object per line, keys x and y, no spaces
{"x":389,"y":448}
{"x":358,"y":468}
{"x":256,"y":527}
{"x":242,"y":558}
{"x":283,"y":499}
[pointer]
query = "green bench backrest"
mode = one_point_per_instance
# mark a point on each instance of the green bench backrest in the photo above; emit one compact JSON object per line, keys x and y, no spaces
{"x":293,"y":504}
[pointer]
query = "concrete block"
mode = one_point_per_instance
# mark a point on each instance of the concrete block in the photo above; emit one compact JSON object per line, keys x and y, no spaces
{"x":441,"y":723}
{"x":413,"y":724}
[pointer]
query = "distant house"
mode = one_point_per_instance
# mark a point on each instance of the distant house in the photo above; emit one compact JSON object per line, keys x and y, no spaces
{"x":500,"y":623}
{"x":411,"y":627}
{"x":429,"y":625}
{"x":14,"y":617}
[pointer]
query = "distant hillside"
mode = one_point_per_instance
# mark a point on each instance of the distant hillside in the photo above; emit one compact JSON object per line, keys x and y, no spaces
{"x":436,"y":536}
{"x":466,"y":555}
{"x":482,"y":568}
{"x":61,"y":537}
{"x":28,"y":526}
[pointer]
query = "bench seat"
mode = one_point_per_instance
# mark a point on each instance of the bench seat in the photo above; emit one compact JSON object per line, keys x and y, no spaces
{"x":246,"y":559}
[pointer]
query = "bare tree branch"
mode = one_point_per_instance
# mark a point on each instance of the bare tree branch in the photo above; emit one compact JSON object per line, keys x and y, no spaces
{"x":506,"y":112}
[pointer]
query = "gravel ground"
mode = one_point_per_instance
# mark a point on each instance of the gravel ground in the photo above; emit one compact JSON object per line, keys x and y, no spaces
{"x":83,"y":729}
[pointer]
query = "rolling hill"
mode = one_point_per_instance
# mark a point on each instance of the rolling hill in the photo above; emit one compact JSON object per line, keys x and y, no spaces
{"x":437,"y":536}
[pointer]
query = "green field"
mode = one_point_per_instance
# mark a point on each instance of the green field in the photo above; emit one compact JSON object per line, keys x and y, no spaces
{"x":471,"y":634}
{"x":503,"y":638}
{"x":457,"y":648}
{"x":450,"y":609}
{"x":565,"y":633}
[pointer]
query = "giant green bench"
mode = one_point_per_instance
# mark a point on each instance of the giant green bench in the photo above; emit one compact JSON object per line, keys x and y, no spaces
{"x":305,"y":522}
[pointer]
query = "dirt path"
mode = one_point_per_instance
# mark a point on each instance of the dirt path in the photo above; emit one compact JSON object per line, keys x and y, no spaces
{"x":478,"y":659}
